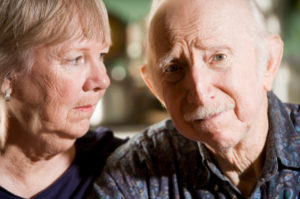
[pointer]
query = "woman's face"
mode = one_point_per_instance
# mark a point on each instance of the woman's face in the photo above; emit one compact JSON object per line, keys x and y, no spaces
{"x":58,"y":96}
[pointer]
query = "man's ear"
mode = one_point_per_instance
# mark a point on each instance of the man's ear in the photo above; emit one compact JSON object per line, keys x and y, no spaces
{"x":275,"y":49}
{"x":147,"y":79}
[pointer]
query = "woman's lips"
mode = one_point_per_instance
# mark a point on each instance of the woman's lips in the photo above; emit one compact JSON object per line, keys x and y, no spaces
{"x":85,"y":108}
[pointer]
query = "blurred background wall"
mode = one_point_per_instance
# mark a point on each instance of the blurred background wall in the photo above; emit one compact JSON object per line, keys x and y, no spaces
{"x":128,"y":106}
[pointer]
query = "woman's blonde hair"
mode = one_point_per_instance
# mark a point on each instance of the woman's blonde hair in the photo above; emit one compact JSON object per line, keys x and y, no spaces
{"x":26,"y":24}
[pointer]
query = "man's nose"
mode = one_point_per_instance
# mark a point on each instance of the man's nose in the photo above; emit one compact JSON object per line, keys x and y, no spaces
{"x":97,"y":78}
{"x":199,"y":85}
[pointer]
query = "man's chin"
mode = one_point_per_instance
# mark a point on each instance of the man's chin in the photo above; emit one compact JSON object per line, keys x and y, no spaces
{"x":222,"y":142}
{"x":217,"y":139}
{"x":221,"y":146}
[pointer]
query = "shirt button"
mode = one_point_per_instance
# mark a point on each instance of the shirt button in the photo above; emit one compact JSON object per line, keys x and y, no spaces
{"x":233,"y":197}
{"x":216,"y":188}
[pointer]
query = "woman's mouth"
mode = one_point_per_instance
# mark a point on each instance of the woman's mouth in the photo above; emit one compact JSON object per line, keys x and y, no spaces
{"x":85,"y":108}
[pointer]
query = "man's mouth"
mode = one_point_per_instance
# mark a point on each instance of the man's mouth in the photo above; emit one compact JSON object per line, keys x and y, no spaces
{"x":207,"y":117}
{"x":201,"y":114}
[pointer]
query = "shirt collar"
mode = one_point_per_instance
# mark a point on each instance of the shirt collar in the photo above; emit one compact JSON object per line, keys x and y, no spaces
{"x":282,"y":137}
{"x":282,"y":133}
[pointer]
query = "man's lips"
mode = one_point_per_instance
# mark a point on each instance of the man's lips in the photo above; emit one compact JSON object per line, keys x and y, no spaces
{"x":207,"y":118}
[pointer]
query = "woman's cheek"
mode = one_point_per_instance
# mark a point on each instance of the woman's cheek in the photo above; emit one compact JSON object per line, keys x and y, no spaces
{"x":69,"y":88}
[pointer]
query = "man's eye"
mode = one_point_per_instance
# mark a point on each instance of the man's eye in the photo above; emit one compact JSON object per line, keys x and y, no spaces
{"x":219,"y":57}
{"x":173,"y":73}
{"x":173,"y":68}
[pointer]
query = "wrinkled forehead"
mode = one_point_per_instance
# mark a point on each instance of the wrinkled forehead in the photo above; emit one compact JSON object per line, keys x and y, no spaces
{"x":191,"y":20}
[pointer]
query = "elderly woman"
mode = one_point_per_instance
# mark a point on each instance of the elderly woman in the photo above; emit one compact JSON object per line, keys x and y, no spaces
{"x":51,"y":77}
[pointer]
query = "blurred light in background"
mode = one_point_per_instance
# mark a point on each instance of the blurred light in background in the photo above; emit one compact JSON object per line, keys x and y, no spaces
{"x":97,"y":117}
{"x":265,"y":5}
{"x":134,"y":41}
{"x":118,"y":73}
{"x":134,"y":50}
{"x":282,"y":81}
{"x":273,"y":24}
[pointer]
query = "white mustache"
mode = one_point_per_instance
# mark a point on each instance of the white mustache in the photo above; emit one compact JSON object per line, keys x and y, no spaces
{"x":201,"y":113}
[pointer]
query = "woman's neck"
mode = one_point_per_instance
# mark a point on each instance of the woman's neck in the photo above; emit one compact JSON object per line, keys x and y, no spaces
{"x":26,"y":175}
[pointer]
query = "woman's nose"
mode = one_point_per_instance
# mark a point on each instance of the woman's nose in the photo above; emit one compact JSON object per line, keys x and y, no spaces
{"x":97,"y":79}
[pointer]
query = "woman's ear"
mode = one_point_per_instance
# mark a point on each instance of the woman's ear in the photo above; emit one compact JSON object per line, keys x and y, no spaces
{"x":275,"y":49}
{"x":6,"y":88}
{"x":148,"y":80}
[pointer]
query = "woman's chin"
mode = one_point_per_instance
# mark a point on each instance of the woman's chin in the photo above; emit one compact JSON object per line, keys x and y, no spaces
{"x":80,"y":129}
{"x":72,"y":131}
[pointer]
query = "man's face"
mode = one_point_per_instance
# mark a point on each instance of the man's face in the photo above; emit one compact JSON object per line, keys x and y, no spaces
{"x":205,"y":69}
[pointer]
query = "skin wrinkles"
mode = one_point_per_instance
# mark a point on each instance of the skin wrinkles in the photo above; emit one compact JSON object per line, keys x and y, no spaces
{"x":185,"y":36}
{"x":182,"y":37}
{"x":56,"y":89}
{"x":51,"y":98}
{"x":199,"y":84}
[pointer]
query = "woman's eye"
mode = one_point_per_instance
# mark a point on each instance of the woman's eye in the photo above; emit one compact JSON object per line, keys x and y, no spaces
{"x":219,"y":57}
{"x":78,"y":60}
{"x":102,"y":56}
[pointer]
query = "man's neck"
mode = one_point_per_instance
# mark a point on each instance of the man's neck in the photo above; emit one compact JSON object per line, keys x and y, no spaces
{"x":242,"y":169}
{"x":243,"y":163}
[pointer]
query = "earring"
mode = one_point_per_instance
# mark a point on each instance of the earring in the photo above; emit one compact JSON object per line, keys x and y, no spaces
{"x":7,"y":94}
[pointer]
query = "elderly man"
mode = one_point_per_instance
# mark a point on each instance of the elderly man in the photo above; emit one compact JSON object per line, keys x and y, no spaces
{"x":212,"y":64}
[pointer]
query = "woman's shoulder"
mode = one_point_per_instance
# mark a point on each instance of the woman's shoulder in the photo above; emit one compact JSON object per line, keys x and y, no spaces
{"x":100,"y":141}
{"x":93,"y":149}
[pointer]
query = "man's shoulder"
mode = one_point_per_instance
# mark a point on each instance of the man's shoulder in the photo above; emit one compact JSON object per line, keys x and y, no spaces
{"x":150,"y":163}
{"x":159,"y":142}
{"x":293,"y":111}
{"x":286,"y":128}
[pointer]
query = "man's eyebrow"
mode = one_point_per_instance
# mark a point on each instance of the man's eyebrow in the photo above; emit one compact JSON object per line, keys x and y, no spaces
{"x":163,"y":61}
{"x":213,"y":47}
{"x":168,"y":57}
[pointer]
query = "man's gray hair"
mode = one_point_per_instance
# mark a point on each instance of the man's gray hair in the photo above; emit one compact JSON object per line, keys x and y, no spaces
{"x":262,"y":33}
{"x":255,"y":11}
